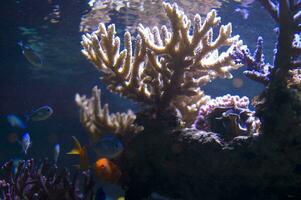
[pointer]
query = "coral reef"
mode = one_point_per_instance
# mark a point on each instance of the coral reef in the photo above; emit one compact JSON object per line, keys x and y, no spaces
{"x":230,"y":152}
{"x":280,"y":100}
{"x":32,"y":181}
{"x":167,"y":68}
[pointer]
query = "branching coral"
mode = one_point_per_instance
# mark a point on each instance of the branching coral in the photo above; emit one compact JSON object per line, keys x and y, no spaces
{"x":287,"y":15}
{"x":98,"y":120}
{"x":167,"y":68}
{"x":282,"y":78}
{"x":257,"y":69}
{"x":260,"y":71}
{"x":32,"y":181}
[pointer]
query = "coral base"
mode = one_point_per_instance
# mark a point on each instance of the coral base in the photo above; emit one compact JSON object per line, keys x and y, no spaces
{"x":192,"y":164}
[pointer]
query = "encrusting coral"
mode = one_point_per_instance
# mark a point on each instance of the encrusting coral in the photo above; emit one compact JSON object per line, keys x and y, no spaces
{"x":98,"y":120}
{"x":229,"y":116}
{"x":167,"y":68}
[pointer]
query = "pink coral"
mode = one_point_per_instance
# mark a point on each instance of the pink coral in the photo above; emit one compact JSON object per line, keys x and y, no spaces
{"x":229,"y":116}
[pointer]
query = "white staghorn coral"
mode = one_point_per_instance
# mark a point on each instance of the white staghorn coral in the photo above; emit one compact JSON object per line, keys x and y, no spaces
{"x":165,"y":68}
{"x":98,"y":120}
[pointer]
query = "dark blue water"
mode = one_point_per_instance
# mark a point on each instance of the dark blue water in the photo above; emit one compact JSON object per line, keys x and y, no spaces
{"x":66,"y":72}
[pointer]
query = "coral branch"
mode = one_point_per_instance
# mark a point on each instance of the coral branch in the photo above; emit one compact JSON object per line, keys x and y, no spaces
{"x":257,"y":69}
{"x":98,"y":120}
{"x":271,"y":8}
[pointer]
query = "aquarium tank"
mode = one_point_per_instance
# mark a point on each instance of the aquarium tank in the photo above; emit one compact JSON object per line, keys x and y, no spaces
{"x":150,"y":100}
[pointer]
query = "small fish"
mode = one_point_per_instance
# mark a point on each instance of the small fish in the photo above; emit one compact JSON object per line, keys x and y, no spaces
{"x":40,"y":114}
{"x":30,"y":55}
{"x":107,"y":170}
{"x":15,"y":165}
{"x":100,"y":194}
{"x":109,"y":146}
{"x":82,"y":152}
{"x":26,"y":142}
{"x":244,"y":12}
{"x":57,"y":150}
{"x":15,"y":121}
{"x":258,"y":100}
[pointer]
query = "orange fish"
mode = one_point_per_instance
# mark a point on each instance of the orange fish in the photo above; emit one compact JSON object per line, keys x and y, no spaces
{"x":82,"y":152}
{"x":107,"y":170}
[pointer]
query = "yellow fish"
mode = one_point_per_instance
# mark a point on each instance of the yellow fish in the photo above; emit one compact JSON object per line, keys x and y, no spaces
{"x":82,"y":152}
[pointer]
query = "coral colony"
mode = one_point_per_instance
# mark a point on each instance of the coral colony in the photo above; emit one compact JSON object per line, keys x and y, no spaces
{"x":43,"y":181}
{"x":228,"y":115}
{"x":165,"y":68}
{"x":184,"y":144}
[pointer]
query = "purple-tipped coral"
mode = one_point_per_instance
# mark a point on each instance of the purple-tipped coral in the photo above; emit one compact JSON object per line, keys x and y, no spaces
{"x":229,"y":116}
{"x":257,"y":69}
{"x":42,"y":181}
{"x":288,"y":48}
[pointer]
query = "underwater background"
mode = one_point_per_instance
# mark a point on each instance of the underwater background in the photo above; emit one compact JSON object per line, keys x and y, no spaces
{"x":53,"y":30}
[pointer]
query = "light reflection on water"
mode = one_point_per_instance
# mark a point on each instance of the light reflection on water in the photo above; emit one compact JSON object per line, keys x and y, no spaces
{"x":131,"y":13}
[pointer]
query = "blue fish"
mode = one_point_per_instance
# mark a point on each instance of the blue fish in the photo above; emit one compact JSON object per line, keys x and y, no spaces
{"x":15,"y":121}
{"x":30,"y":55}
{"x":40,"y":114}
{"x":16,"y":162}
{"x":57,"y":150}
{"x":26,"y":142}
{"x":109,"y":146}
